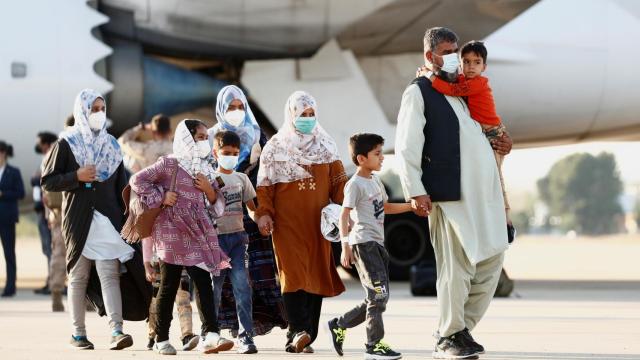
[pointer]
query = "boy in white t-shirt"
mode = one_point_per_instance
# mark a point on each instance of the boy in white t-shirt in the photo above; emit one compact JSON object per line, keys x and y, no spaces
{"x":233,"y":239}
{"x":365,"y":195}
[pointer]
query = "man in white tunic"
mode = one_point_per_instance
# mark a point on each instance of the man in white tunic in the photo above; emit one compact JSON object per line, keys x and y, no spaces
{"x":448,"y":171}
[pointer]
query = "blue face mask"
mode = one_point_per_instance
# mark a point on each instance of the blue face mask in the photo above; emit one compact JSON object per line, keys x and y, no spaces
{"x":305,"y":124}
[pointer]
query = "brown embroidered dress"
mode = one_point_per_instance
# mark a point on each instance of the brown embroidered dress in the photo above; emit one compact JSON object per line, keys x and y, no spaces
{"x":304,"y":258}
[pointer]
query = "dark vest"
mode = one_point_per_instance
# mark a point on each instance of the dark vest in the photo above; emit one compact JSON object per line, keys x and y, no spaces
{"x":441,"y":151}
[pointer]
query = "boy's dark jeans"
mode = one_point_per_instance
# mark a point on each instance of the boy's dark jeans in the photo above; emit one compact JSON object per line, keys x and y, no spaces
{"x":235,"y":246}
{"x":372,"y":263}
{"x":170,"y":276}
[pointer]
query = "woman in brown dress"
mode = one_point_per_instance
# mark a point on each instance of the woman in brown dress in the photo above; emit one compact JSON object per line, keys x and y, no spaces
{"x":301,"y":173}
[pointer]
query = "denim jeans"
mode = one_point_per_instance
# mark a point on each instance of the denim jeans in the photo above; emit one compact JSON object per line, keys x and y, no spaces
{"x":235,"y":246}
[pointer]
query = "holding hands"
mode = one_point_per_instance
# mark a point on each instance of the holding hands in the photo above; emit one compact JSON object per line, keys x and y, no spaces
{"x":421,"y":205}
{"x":265,"y":224}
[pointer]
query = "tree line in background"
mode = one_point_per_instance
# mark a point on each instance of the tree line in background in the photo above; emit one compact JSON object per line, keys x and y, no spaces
{"x":581,"y":193}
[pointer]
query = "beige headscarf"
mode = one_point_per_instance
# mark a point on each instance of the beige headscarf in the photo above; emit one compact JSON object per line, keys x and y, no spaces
{"x":286,"y":153}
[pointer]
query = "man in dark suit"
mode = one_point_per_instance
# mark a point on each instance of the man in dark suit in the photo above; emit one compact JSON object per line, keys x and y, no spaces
{"x":11,"y":190}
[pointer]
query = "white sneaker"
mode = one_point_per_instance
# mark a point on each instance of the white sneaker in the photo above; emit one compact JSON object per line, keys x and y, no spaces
{"x":213,"y":343}
{"x":164,"y":348}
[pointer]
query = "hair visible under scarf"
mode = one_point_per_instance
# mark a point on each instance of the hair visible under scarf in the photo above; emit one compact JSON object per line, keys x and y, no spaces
{"x":285,"y":155}
{"x":248,"y":131}
{"x":186,"y":152}
{"x":91,"y":147}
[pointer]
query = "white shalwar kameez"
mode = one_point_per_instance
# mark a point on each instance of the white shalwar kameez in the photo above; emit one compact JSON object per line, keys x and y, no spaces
{"x":469,"y":236}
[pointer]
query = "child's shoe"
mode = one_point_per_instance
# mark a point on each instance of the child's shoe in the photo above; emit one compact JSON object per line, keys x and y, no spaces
{"x":214,"y":343}
{"x":381,"y":351}
{"x":337,"y":335}
{"x":246,"y":345}
{"x":164,"y":348}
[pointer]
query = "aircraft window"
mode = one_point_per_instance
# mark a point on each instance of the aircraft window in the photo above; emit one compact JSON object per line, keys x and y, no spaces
{"x":18,"y":70}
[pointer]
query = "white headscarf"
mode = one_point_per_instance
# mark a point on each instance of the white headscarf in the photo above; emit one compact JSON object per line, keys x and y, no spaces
{"x":90,"y":147}
{"x":186,"y":152}
{"x":248,"y":131}
{"x":286,"y":153}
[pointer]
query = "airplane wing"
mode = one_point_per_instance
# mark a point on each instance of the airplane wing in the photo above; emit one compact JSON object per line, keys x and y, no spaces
{"x":398,"y":27}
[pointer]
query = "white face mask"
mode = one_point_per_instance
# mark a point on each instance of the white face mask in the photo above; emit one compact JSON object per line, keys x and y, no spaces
{"x":235,"y":117}
{"x":97,"y":120}
{"x":228,"y":162}
{"x":451,"y":62}
{"x":203,"y":148}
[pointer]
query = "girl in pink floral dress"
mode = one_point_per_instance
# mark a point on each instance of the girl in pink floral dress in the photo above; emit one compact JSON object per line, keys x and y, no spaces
{"x":183,"y":234}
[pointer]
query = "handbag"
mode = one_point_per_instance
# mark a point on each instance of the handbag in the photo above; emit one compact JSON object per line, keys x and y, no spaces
{"x":140,"y":218}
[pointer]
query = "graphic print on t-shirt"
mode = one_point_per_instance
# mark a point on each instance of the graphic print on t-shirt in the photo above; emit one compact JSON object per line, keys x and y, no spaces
{"x":378,"y":208}
{"x":232,"y":195}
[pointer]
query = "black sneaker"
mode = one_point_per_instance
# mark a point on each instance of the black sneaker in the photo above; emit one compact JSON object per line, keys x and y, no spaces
{"x":381,"y":351}
{"x":190,"y":342}
{"x":337,"y":335}
{"x":150,"y":344}
{"x":454,"y":347}
{"x":120,"y":341}
{"x":471,"y":341}
{"x":80,"y":343}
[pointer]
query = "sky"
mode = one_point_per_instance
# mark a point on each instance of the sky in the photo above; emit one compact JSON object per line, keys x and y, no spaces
{"x":522,"y":168}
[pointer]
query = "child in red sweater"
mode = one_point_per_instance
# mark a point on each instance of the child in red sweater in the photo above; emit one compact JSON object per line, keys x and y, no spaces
{"x":475,"y":88}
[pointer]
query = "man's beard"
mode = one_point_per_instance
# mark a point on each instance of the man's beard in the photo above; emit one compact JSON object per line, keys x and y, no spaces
{"x":447,"y":76}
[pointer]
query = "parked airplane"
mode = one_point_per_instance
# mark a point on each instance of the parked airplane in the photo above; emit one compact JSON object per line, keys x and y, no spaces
{"x":561,"y":70}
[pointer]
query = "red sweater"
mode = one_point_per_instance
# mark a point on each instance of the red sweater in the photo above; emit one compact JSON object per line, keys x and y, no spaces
{"x":478,"y":93}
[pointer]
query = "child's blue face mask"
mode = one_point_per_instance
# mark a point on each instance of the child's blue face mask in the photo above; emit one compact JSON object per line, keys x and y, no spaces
{"x":305,"y":124}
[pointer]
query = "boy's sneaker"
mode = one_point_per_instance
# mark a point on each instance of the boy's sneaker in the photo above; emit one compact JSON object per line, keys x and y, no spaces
{"x":214,"y":343}
{"x":337,"y":335}
{"x":189,"y":342}
{"x":164,"y":348}
{"x":380,"y":351}
{"x":150,"y":343}
{"x":80,"y":343}
{"x":120,"y":341}
{"x":246,"y":345}
{"x":454,"y":347}
{"x":471,"y":342}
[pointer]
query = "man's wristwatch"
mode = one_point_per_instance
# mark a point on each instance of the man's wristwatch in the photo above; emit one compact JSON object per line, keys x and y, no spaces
{"x":429,"y":74}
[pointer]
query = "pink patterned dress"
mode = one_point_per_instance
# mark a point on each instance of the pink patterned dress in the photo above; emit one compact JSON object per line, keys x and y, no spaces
{"x":184,"y":233}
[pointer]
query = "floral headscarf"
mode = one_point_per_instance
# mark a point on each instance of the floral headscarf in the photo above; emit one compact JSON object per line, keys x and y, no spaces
{"x":288,"y":151}
{"x":186,"y":152}
{"x":91,"y":147}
